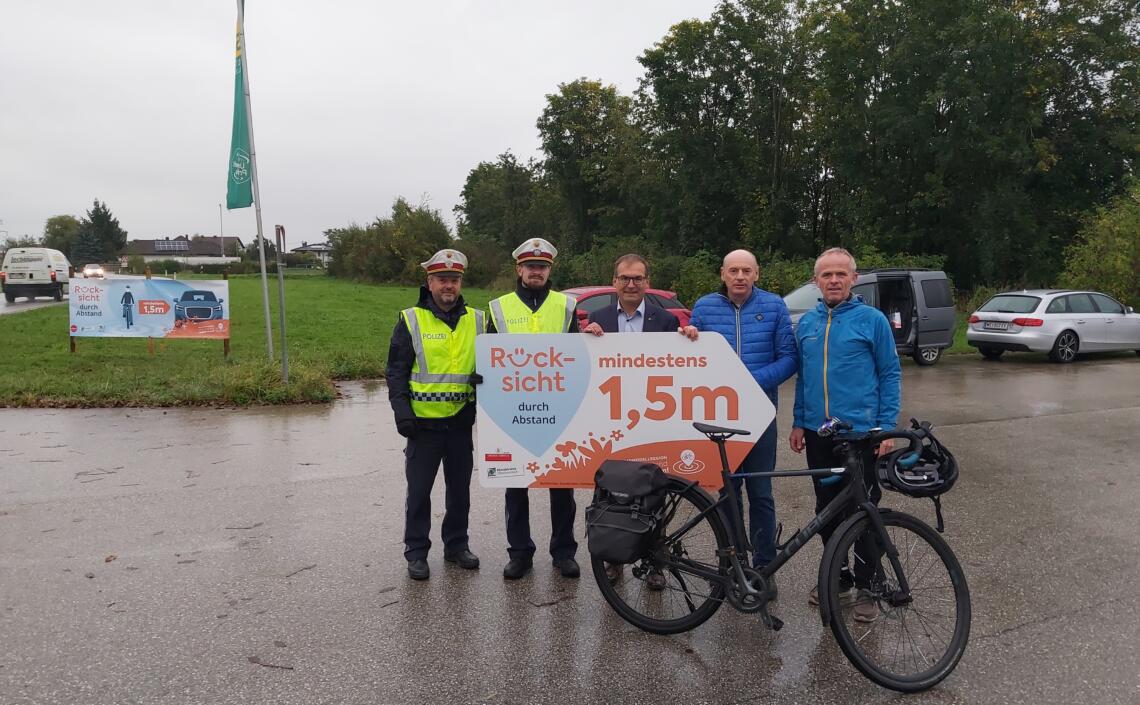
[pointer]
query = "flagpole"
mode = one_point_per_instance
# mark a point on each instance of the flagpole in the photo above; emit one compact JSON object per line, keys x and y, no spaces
{"x":253,"y":168}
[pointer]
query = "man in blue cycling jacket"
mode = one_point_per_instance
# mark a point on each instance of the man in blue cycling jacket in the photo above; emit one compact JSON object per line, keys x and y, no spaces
{"x":848,"y":369}
{"x":757,"y":325}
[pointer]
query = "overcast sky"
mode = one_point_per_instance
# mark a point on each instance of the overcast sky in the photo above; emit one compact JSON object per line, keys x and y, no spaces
{"x":354,"y":103}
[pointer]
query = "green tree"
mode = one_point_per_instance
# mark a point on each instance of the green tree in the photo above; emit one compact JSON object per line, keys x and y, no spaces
{"x":390,"y":249}
{"x":23,"y":241}
{"x":252,"y":251}
{"x":591,"y":147}
{"x":88,"y":247}
{"x":973,"y":129}
{"x":61,"y":232}
{"x":505,"y":202}
{"x":725,"y":101}
{"x":1106,"y":254}
{"x":101,"y":227}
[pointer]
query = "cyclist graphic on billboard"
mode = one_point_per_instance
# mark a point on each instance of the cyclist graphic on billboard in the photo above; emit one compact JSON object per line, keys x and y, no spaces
{"x":128,"y":302}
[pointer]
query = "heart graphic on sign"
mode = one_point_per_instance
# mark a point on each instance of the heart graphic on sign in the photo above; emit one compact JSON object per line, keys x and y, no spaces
{"x":537,"y":383}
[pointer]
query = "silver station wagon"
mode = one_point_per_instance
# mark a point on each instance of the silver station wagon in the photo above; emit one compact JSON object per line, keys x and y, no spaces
{"x":1059,"y":322}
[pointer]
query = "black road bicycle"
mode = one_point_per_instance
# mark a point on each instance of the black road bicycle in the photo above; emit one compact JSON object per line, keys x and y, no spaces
{"x":890,"y":588}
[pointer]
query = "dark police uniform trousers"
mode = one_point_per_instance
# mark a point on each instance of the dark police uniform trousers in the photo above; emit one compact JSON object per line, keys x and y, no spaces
{"x":562,"y":509}
{"x":423,"y":455}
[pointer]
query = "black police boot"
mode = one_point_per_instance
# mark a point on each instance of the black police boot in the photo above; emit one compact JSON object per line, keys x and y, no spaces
{"x":465,"y":559}
{"x":418,"y":569}
{"x":516,"y":568}
{"x":568,"y":567}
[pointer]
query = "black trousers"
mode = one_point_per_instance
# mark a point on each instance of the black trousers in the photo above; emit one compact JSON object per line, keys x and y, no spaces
{"x":562,"y":510}
{"x":821,"y":454}
{"x":422,"y":458}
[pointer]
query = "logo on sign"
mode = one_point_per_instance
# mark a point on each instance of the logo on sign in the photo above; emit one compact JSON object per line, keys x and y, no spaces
{"x":497,"y":457}
{"x":688,"y":464}
{"x":239,"y":167}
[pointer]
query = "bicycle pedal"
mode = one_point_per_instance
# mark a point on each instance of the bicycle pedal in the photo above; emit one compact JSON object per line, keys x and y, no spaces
{"x":772,"y":622}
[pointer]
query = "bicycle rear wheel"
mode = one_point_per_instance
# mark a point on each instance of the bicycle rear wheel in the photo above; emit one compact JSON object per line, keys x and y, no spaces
{"x":680,"y":600}
{"x":905,"y":643}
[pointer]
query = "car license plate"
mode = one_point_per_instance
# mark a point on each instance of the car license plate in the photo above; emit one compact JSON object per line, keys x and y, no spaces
{"x":996,"y":325}
{"x":17,"y":275}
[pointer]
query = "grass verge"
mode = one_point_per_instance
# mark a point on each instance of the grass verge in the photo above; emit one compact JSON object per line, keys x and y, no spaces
{"x":336,"y":329}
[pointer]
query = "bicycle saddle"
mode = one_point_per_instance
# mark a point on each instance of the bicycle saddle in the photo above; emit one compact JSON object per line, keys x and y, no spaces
{"x":708,"y":429}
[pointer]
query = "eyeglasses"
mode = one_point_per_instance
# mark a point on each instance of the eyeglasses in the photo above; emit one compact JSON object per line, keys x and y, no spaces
{"x":626,"y":281}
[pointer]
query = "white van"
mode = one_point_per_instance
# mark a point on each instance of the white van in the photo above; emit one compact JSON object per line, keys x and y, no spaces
{"x":34,"y":271}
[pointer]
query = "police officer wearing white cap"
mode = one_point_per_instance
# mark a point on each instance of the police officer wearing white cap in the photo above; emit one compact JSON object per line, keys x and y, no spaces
{"x":534,"y":308}
{"x":430,"y":363}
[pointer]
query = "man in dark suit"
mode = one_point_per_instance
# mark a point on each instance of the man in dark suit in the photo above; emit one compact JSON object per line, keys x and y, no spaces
{"x":632,"y":314}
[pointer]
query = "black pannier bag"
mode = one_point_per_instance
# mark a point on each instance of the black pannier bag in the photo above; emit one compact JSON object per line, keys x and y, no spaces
{"x":629,"y":501}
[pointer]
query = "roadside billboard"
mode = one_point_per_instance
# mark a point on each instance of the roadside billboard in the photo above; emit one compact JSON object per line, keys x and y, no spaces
{"x":149,"y":308}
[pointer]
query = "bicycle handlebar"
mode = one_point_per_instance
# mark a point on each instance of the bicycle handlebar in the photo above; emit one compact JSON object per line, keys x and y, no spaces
{"x":918,"y":431}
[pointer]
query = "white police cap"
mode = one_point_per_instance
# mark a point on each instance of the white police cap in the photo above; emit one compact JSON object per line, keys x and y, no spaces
{"x":446,"y":262}
{"x":535,"y":250}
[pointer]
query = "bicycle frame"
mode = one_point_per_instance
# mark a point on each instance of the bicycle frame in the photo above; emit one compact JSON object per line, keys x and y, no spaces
{"x":854,"y":493}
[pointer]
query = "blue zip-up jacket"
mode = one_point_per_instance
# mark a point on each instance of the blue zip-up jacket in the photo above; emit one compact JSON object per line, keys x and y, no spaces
{"x":849,"y":368}
{"x":760,"y":332}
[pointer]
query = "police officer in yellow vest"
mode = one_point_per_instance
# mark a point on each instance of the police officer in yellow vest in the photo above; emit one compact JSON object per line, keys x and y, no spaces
{"x":430,"y":363}
{"x":533,"y":308}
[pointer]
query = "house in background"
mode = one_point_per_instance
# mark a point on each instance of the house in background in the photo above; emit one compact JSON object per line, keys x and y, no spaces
{"x":322,"y":250}
{"x":187,"y":250}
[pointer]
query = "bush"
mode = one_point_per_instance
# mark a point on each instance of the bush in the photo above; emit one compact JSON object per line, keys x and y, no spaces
{"x":976,"y":298}
{"x":390,"y":249}
{"x":302,"y":260}
{"x":699,"y":275}
{"x":870,"y":257}
{"x":782,"y":276}
{"x":666,"y":270}
{"x":595,"y":267}
{"x":1106,"y":254}
{"x":487,"y":263}
{"x":164,"y":266}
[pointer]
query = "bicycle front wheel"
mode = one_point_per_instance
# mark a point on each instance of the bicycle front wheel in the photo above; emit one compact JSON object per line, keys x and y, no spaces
{"x":905,"y":642}
{"x":664,"y":592}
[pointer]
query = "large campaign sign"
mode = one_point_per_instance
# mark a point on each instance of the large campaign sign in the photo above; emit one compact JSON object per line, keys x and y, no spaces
{"x":149,"y":308}
{"x":552,"y":408}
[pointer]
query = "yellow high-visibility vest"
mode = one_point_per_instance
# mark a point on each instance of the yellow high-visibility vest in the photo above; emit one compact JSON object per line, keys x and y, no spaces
{"x":445,"y":360}
{"x":511,"y":315}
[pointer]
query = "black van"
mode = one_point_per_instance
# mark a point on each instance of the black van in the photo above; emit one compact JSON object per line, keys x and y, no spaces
{"x":917,"y":302}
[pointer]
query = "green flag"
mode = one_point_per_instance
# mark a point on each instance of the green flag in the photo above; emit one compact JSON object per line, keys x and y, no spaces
{"x":239,"y":186}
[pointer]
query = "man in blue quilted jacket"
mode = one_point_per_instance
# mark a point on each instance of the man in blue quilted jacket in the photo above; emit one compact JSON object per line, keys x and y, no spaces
{"x":757,"y":325}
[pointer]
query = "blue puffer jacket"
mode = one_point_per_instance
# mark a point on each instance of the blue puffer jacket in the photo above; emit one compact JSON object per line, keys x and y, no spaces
{"x":849,"y":368}
{"x":760,"y":332}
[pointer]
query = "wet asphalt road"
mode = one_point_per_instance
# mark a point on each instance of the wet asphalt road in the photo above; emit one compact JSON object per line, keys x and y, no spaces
{"x":254,"y":556}
{"x":22,"y":304}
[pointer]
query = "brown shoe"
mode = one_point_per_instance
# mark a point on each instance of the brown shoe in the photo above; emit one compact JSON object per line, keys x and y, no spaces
{"x":614,"y":572}
{"x":655,"y":580}
{"x":846,"y":597}
{"x":865,"y":610}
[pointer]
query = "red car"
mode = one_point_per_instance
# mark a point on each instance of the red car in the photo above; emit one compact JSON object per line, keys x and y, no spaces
{"x":593,"y":298}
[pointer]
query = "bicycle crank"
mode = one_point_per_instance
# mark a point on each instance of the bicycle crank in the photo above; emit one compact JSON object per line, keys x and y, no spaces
{"x":754,"y":597}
